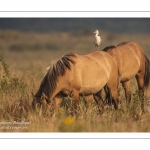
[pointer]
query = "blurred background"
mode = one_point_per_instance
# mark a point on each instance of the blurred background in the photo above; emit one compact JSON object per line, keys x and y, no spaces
{"x":28,"y":43}
{"x":116,"y":25}
{"x":71,"y":34}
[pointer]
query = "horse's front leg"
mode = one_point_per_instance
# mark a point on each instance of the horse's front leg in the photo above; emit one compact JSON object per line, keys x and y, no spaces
{"x":52,"y":106}
{"x":127,"y":90}
{"x":75,"y":101}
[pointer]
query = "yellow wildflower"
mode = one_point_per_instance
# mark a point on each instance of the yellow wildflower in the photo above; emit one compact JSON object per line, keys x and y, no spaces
{"x":69,"y":121}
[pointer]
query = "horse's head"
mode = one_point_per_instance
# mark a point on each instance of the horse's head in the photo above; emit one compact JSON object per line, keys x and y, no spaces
{"x":39,"y":100}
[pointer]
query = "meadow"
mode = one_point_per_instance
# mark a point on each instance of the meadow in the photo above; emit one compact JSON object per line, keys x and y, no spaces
{"x":24,"y":57}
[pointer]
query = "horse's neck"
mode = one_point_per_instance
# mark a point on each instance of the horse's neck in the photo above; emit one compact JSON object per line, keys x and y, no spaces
{"x":42,"y":92}
{"x":46,"y":93}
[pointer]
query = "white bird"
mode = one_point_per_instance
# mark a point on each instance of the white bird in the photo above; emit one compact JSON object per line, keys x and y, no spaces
{"x":98,"y":39}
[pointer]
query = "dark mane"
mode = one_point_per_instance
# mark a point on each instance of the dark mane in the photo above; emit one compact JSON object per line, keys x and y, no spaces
{"x":58,"y":68}
{"x":108,"y":47}
{"x":123,"y":43}
{"x":111,"y":47}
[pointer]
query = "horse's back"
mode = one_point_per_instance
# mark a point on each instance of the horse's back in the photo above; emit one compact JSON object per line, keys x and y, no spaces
{"x":129,"y":57}
{"x":98,"y":61}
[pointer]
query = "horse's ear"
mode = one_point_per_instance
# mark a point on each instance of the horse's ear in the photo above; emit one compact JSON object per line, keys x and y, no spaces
{"x":32,"y":94}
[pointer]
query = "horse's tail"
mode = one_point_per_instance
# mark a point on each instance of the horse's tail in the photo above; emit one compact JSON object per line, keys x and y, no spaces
{"x":147,"y":73}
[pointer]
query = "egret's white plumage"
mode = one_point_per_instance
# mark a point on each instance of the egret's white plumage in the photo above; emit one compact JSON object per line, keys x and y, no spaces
{"x":98,"y":39}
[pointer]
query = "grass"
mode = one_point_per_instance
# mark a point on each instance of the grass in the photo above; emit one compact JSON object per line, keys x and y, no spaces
{"x":23,"y":61}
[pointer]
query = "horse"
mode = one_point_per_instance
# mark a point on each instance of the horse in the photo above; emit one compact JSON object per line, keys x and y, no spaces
{"x":132,"y":62}
{"x":79,"y":75}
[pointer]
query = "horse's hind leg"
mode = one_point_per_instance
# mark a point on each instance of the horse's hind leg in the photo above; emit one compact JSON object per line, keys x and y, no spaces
{"x":140,"y":81}
{"x":99,"y":101}
{"x":127,"y":90}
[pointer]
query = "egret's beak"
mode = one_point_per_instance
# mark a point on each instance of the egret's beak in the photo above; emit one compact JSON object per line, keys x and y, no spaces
{"x":94,"y":32}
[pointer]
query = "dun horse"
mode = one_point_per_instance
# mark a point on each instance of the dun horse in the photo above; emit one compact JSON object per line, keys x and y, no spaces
{"x":132,"y":62}
{"x":79,"y":75}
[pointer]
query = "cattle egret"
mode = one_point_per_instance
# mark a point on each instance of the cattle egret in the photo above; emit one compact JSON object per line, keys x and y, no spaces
{"x":98,"y":39}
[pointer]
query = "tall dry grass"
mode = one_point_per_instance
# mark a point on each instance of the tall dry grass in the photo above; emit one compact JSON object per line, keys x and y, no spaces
{"x":23,"y":61}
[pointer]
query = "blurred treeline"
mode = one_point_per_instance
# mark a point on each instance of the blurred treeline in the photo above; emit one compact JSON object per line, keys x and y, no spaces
{"x":70,"y":34}
{"x":117,"y":25}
